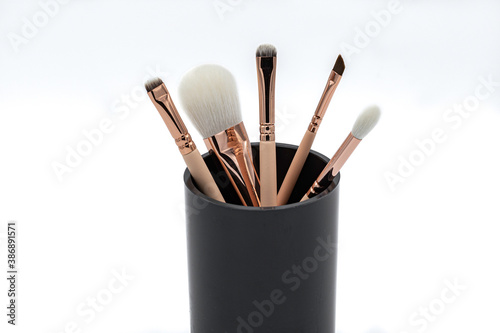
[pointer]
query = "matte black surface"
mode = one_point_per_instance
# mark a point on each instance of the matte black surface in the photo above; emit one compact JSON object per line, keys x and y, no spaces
{"x":255,"y":270}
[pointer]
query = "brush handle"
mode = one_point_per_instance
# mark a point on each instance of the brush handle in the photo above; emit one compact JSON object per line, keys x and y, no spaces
{"x":320,"y":184}
{"x":295,"y":168}
{"x":202,"y":176}
{"x":249,"y":176}
{"x":333,"y":167}
{"x":268,"y":187}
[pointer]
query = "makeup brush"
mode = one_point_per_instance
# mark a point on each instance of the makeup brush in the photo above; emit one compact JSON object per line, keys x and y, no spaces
{"x":365,"y":122}
{"x":162,"y":100}
{"x":305,"y":145}
{"x":266,"y":78}
{"x":210,"y":98}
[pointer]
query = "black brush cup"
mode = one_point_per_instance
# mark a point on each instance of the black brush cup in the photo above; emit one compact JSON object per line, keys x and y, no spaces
{"x":255,"y":270}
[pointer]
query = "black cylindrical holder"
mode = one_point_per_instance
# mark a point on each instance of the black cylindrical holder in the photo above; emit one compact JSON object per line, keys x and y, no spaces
{"x":256,"y":269}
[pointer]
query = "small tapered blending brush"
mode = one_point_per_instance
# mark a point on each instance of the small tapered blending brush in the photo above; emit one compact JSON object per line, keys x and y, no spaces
{"x":266,"y":57}
{"x":210,"y":98}
{"x":305,"y":145}
{"x":363,"y":125}
{"x":162,"y":100}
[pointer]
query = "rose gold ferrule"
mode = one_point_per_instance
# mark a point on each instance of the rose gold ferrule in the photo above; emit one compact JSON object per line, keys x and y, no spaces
{"x":267,"y":132}
{"x":331,"y":86}
{"x":233,"y":150}
{"x":266,"y":79}
{"x":334,"y":165}
{"x":313,"y":188}
{"x":168,"y":112}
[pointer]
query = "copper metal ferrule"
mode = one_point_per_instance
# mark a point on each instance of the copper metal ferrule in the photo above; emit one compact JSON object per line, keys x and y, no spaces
{"x":333,"y":167}
{"x":233,"y":150}
{"x":331,"y":86}
{"x":168,"y":112}
{"x":266,"y":78}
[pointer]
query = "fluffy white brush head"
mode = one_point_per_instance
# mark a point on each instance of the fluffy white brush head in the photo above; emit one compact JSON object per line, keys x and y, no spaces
{"x":366,"y":122}
{"x":210,"y":98}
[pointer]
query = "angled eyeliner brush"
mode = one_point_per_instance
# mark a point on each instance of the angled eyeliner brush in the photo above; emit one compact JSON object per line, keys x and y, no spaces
{"x":305,"y":145}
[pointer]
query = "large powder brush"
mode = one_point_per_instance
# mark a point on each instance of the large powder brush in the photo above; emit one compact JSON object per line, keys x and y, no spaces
{"x":210,"y":98}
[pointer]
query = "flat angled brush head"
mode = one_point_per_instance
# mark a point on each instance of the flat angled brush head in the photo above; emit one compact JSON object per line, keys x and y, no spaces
{"x":153,"y":83}
{"x":366,"y":122}
{"x":339,"y":66}
{"x":266,"y":50}
{"x":210,"y":98}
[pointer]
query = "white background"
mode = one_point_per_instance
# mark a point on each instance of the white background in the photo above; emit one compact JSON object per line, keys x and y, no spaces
{"x":121,"y":207}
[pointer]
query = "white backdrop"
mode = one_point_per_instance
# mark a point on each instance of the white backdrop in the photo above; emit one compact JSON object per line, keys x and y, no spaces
{"x":419,"y":198}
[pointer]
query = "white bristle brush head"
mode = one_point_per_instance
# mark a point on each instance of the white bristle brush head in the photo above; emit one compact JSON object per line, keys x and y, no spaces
{"x":209,"y":96}
{"x":366,"y":122}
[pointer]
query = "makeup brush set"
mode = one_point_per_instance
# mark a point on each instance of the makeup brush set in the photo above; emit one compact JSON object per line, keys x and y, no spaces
{"x":209,"y":97}
{"x":259,"y":259}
